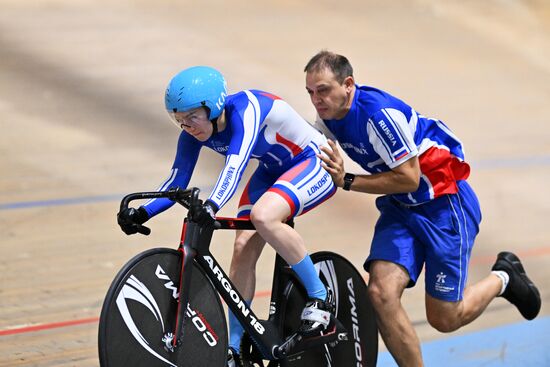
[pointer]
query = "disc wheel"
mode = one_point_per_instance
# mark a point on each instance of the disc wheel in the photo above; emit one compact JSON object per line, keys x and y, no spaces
{"x":353,"y":310}
{"x":139,"y":313}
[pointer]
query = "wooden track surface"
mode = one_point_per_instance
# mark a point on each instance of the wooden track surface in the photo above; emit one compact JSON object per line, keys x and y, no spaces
{"x":82,"y":123}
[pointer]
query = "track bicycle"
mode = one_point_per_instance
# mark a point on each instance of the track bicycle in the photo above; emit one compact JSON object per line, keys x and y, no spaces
{"x":163,"y":308}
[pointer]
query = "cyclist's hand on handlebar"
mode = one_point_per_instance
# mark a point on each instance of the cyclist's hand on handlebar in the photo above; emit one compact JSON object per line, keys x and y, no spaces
{"x":205,"y":215}
{"x":129,"y":219}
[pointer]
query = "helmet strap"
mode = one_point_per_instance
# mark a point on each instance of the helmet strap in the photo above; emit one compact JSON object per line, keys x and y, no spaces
{"x":214,"y":126}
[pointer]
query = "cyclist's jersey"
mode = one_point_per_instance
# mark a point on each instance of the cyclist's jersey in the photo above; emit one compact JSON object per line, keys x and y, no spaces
{"x":380,"y":132}
{"x":259,"y":125}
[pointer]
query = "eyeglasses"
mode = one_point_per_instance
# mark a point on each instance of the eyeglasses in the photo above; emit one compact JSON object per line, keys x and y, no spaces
{"x":191,"y":120}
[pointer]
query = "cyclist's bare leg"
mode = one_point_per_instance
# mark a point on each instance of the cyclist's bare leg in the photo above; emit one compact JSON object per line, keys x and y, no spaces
{"x":268,"y":216}
{"x":387,"y":282}
{"x":246,"y":251}
{"x":449,"y":316}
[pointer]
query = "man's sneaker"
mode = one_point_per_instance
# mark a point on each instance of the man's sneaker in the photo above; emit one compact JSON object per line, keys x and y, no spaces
{"x":520,"y":291}
{"x":317,"y":315}
{"x":233,"y":359}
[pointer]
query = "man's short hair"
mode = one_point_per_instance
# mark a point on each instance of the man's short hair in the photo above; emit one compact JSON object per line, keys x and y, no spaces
{"x":338,"y":64}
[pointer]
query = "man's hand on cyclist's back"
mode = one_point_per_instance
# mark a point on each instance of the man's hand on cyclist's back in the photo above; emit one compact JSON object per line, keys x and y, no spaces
{"x":129,"y":219}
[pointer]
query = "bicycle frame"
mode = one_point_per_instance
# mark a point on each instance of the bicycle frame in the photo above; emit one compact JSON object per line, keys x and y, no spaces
{"x":195,"y":246}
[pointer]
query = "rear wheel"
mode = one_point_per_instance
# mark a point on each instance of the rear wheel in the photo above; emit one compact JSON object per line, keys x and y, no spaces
{"x":353,"y":310}
{"x":140,"y":310}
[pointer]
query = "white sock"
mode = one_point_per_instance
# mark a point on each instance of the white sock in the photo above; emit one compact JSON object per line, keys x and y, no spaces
{"x":504,"y":277}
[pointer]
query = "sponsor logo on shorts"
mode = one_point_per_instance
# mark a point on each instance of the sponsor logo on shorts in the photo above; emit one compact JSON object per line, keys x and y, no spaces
{"x":440,"y":284}
{"x":318,"y":184}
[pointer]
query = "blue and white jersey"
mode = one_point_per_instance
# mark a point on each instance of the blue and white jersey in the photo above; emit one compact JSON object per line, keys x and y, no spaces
{"x":258,"y":125}
{"x":380,"y":132}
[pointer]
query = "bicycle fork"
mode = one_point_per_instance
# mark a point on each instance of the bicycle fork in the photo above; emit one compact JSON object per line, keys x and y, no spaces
{"x":189,"y":234}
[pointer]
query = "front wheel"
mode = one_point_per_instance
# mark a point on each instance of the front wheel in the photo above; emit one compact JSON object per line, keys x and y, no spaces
{"x":139,"y":313}
{"x":353,"y":310}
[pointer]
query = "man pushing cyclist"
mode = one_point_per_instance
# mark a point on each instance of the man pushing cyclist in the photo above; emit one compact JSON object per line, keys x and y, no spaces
{"x":429,"y":214}
{"x":249,"y":124}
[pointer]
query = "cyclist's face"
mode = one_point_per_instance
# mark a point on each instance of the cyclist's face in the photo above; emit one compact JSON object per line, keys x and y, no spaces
{"x":195,"y":122}
{"x":331,"y":99}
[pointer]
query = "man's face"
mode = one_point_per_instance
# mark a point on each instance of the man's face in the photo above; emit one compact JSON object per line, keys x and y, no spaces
{"x":195,"y":122}
{"x":330,"y":98}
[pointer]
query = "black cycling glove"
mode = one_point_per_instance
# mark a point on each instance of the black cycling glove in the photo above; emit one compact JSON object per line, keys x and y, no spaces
{"x":205,"y":215}
{"x":130,"y":218}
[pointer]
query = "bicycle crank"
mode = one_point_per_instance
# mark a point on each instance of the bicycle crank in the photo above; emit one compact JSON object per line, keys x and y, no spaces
{"x":297,"y":342}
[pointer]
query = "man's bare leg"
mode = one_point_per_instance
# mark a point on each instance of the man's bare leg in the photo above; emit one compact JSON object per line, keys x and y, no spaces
{"x":448,"y":316}
{"x":386,"y":285}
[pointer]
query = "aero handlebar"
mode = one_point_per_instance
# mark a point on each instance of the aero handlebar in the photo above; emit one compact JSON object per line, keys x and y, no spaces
{"x":188,"y":198}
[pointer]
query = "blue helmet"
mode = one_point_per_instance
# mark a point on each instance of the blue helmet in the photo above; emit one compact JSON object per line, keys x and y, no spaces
{"x":198,"y":86}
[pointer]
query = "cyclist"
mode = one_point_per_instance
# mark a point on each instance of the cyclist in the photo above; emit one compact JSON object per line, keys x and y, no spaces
{"x":289,"y":180}
{"x":429,"y":215}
